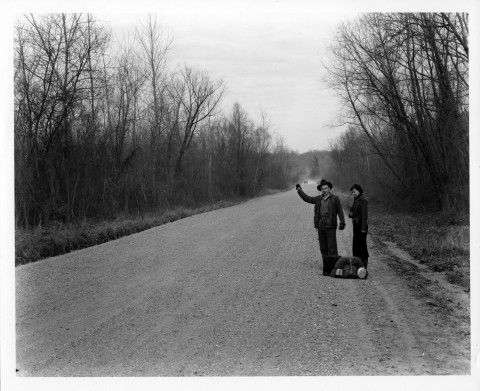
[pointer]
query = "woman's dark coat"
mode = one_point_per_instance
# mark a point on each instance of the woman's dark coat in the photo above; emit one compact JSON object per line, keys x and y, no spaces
{"x":359,"y":214}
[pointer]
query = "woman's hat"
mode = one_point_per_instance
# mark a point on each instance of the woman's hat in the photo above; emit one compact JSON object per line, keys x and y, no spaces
{"x":324,"y":182}
{"x":357,"y":187}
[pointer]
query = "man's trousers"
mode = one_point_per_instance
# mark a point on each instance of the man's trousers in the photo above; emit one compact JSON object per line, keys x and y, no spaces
{"x":327,"y":237}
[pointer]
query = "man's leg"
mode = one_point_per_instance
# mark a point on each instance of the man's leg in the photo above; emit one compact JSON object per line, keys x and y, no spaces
{"x":332,"y":252}
{"x":322,"y":240}
{"x":331,"y":235}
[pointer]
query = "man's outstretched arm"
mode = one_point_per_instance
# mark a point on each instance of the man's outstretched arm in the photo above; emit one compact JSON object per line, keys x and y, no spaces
{"x":306,"y":198}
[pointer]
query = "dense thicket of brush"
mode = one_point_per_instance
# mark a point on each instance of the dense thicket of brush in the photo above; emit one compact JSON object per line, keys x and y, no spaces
{"x":404,"y":81}
{"x":101,"y":131}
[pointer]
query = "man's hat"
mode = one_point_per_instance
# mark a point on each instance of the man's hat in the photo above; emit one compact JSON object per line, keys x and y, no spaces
{"x":324,"y":182}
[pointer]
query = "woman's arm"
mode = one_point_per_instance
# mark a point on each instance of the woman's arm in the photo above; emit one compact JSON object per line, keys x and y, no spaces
{"x":364,"y":212}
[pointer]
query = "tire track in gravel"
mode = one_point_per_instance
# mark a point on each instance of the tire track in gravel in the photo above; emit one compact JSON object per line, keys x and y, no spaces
{"x":232,"y":292}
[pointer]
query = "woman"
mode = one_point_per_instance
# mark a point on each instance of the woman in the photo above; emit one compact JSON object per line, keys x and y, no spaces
{"x":359,"y":215}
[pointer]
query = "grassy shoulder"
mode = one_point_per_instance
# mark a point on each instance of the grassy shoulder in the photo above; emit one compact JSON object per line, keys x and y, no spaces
{"x":56,"y":238}
{"x":439,"y":240}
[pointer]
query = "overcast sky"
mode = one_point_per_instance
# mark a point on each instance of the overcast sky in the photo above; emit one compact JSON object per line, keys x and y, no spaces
{"x":268,"y":54}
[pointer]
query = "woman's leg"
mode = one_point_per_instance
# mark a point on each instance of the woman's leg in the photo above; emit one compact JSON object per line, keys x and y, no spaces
{"x":359,"y":245}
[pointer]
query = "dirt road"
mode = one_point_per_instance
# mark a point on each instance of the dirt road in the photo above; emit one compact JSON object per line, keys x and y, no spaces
{"x":233,"y":292}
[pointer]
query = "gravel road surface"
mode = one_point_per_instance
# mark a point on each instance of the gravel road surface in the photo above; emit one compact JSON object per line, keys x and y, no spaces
{"x":232,"y":292}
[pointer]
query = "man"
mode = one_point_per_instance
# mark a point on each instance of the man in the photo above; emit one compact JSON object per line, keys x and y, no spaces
{"x":327,"y":208}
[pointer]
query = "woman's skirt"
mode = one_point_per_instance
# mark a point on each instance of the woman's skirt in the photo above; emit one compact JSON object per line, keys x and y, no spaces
{"x":359,"y":247}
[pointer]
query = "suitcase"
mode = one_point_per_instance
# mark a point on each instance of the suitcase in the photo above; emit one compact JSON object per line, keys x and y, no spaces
{"x":347,"y":267}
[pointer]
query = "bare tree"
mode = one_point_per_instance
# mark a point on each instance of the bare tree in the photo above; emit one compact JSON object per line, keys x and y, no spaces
{"x":52,"y":61}
{"x":155,"y":44}
{"x":197,"y":99}
{"x":404,"y":79}
{"x":103,"y":129}
{"x":262,"y":143}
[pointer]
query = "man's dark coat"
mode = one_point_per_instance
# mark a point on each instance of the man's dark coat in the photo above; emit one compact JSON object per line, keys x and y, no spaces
{"x":334,"y":209}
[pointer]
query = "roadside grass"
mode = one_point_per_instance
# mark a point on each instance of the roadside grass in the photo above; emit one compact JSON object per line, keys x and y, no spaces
{"x":56,"y":238}
{"x":441,"y":241}
{"x":435,"y":297}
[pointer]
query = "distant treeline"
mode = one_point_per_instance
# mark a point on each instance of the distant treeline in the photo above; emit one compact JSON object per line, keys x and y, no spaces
{"x":105,"y":127}
{"x":404,"y":80}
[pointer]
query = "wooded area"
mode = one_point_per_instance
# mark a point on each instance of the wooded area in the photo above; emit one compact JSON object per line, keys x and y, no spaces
{"x":403,"y":78}
{"x":104,"y":127}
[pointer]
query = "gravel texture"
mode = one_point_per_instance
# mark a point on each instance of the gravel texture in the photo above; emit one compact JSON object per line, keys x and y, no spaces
{"x":232,"y":292}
